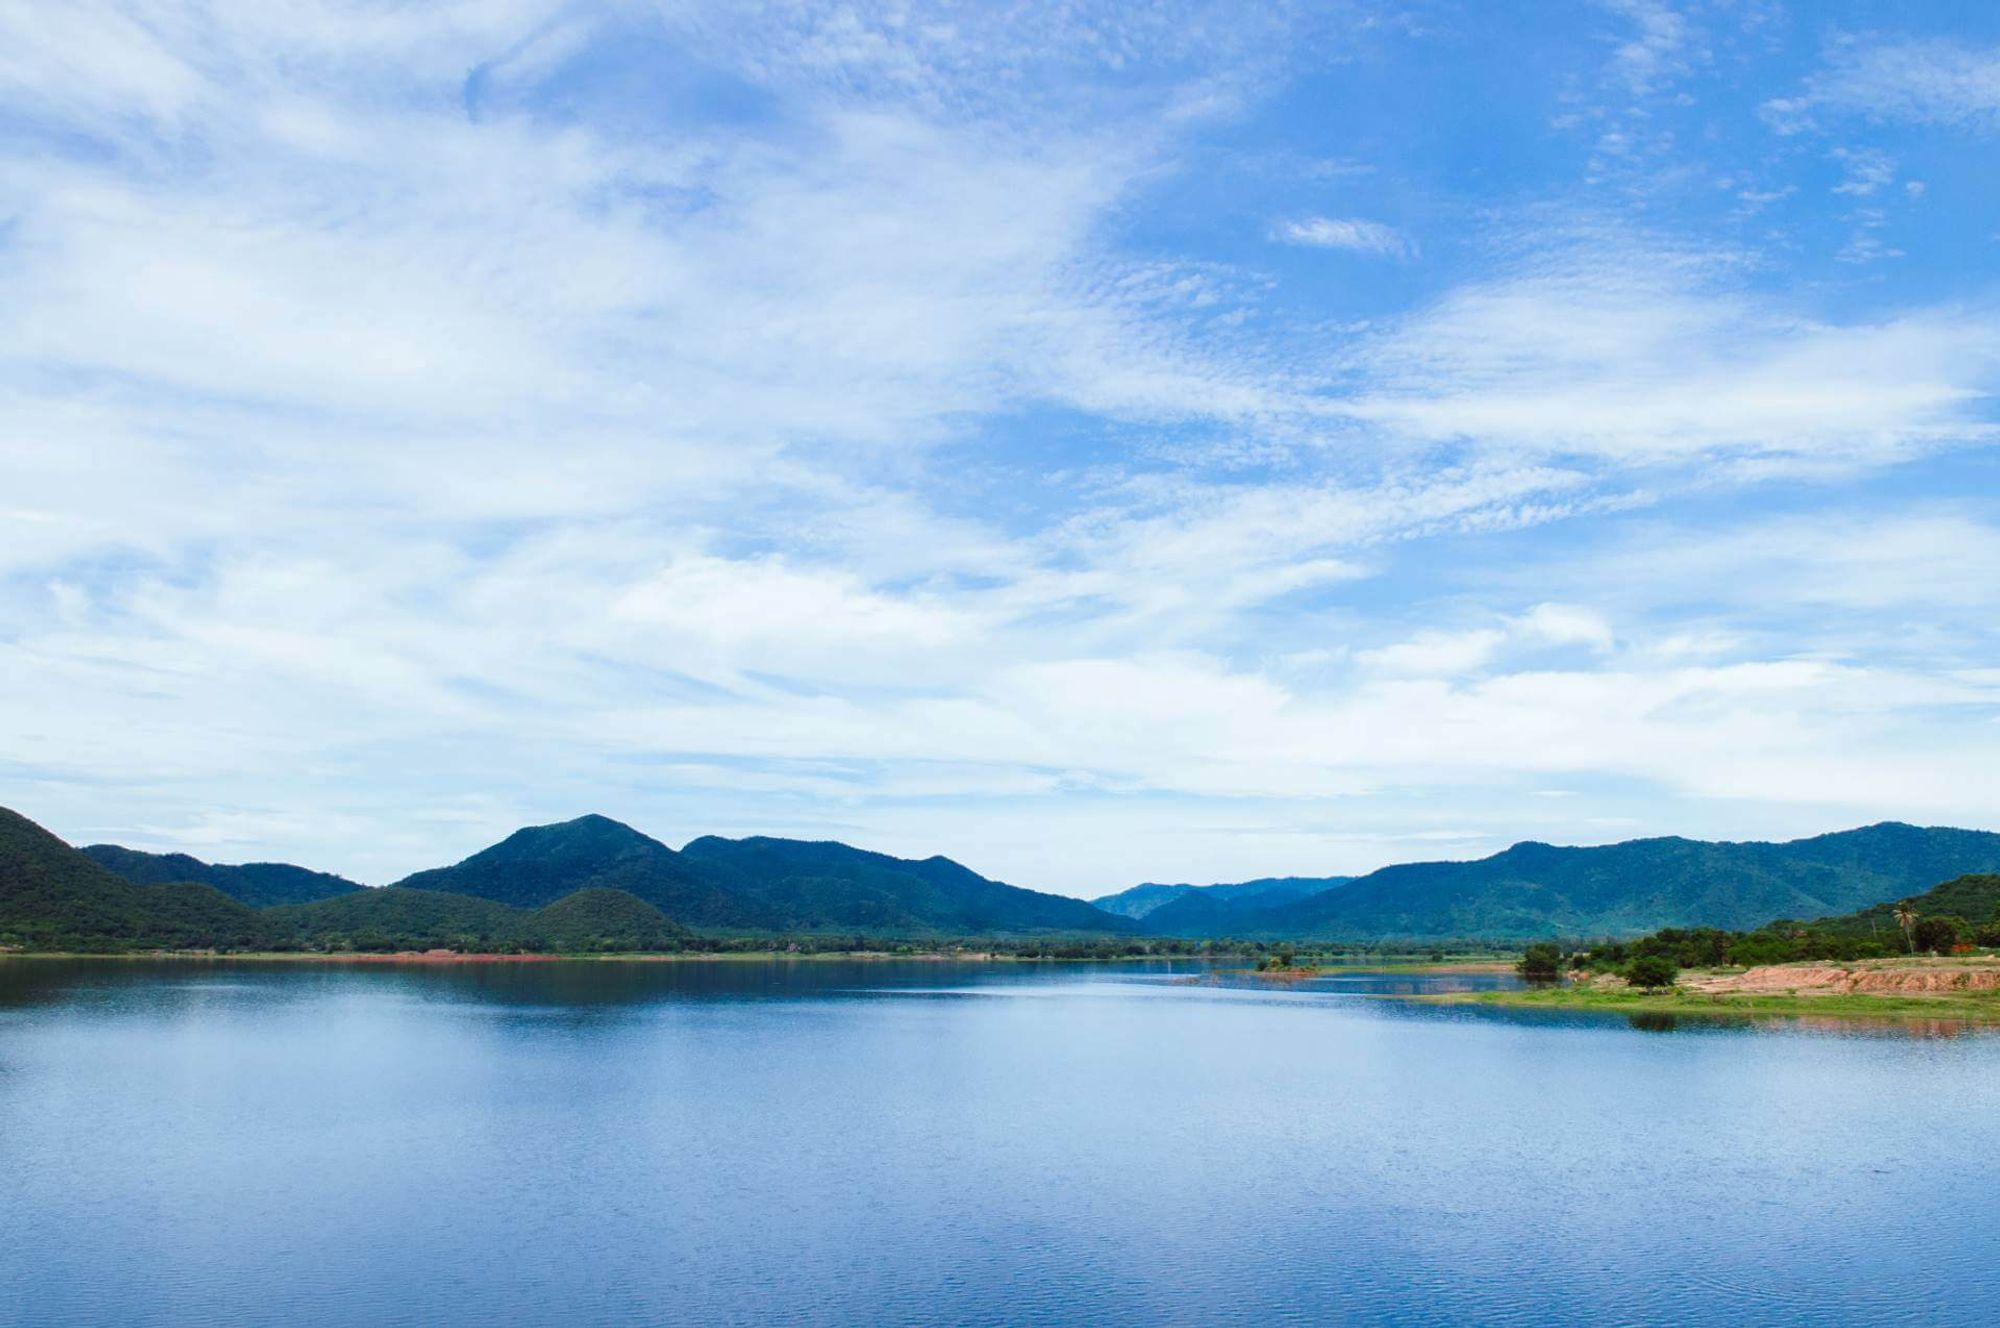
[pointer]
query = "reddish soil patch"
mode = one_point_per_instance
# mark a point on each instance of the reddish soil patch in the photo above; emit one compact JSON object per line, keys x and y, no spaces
{"x":1887,"y":978}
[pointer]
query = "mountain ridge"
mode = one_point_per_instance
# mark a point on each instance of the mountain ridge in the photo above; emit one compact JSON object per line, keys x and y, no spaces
{"x":50,"y":891}
{"x":1141,"y":901}
{"x":539,"y":864}
{"x":1533,"y":889}
{"x":258,"y":884}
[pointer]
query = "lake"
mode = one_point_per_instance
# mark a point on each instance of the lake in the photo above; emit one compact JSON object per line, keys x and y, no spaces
{"x":842,"y":1142}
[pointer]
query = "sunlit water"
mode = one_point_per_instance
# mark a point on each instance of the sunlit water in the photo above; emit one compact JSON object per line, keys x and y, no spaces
{"x":923,"y":1143}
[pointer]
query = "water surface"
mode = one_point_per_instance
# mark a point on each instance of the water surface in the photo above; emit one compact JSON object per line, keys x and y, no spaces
{"x":833,"y":1142}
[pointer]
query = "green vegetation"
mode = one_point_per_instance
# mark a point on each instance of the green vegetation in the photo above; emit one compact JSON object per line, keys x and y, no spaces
{"x":765,"y":885}
{"x":1651,"y":964}
{"x":1970,"y":1006}
{"x":54,"y":898}
{"x":393,"y":918}
{"x":1652,"y":972}
{"x":541,"y":864}
{"x":1534,"y":890}
{"x":802,"y":886}
{"x":1541,"y":962}
{"x":258,"y":884}
{"x":593,"y":921}
{"x":1195,"y":902}
{"x":1932,"y":922}
{"x":593,"y":885}
{"x":1976,"y":896}
{"x":605,"y":921}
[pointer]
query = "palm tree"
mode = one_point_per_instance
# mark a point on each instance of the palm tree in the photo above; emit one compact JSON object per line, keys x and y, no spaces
{"x":1906,"y":918}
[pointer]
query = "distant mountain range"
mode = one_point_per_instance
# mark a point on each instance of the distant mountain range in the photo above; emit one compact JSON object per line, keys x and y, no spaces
{"x":577,"y":884}
{"x":593,"y":883}
{"x":760,"y":884}
{"x":1641,"y":885}
{"x":542,"y":863}
{"x":54,"y":897}
{"x":1142,"y":901}
{"x":258,"y":884}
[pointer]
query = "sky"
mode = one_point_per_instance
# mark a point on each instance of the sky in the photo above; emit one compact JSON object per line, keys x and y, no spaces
{"x":1099,"y":443}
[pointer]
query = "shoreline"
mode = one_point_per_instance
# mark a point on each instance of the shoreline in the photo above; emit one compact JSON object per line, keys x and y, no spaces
{"x":453,"y":957}
{"x":1965,"y":990}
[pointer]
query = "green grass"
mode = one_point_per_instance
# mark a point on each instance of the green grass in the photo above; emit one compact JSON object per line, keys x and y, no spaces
{"x":1980,"y":1006}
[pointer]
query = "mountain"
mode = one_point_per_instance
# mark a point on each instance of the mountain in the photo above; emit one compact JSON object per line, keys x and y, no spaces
{"x":394,"y":918}
{"x":53,"y":897}
{"x":1143,"y":900}
{"x":541,"y":864}
{"x":1976,"y":898}
{"x":398,"y":918}
{"x":593,"y":883}
{"x":827,"y":886}
{"x":599,"y":919}
{"x":757,"y":884}
{"x":1140,"y":900}
{"x":1642,"y":885}
{"x":258,"y":884}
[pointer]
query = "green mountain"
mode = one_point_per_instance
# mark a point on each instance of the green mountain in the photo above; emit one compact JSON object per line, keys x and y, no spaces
{"x":258,"y":884}
{"x":1534,"y":890}
{"x":1975,"y":898}
{"x":593,"y":884}
{"x":52,"y":897}
{"x":541,"y":864}
{"x":1144,"y":900}
{"x":394,"y":918}
{"x":758,"y":884}
{"x":398,"y":918}
{"x":599,"y":919}
{"x":826,"y":886}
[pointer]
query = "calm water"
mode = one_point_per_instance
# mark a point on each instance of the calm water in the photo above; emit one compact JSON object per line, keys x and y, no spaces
{"x":926,"y":1144}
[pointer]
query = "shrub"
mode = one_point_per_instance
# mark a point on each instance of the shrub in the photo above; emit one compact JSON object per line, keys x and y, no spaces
{"x":1652,"y":972}
{"x":1542,"y":962}
{"x":1937,"y":934}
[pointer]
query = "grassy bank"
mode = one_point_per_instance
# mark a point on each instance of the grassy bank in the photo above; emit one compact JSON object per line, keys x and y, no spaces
{"x":1969,"y":1006}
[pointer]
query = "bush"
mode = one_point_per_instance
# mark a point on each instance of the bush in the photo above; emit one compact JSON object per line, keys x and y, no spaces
{"x":1542,"y":962}
{"x":1652,"y":972}
{"x":1938,"y":934}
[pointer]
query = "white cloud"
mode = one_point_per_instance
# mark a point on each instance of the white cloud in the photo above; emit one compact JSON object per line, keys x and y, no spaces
{"x":1646,"y":355}
{"x":1350,"y":233}
{"x":1656,"y":50}
{"x":1568,"y":624}
{"x":1866,"y":171}
{"x":1938,"y":81}
{"x":395,"y":453}
{"x":1435,"y":653}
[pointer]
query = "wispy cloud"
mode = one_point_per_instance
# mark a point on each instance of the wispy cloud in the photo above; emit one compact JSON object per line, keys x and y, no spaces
{"x":1940,"y":81}
{"x":1866,"y":171}
{"x":1658,"y":46}
{"x":890,"y":421}
{"x":1624,"y":350}
{"x":1349,"y":233}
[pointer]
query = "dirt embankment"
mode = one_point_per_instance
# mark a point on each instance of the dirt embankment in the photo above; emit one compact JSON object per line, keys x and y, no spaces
{"x":1877,"y":978}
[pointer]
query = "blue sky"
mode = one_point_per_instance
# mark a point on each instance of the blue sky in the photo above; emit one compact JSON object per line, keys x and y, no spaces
{"x":1100,"y":445}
